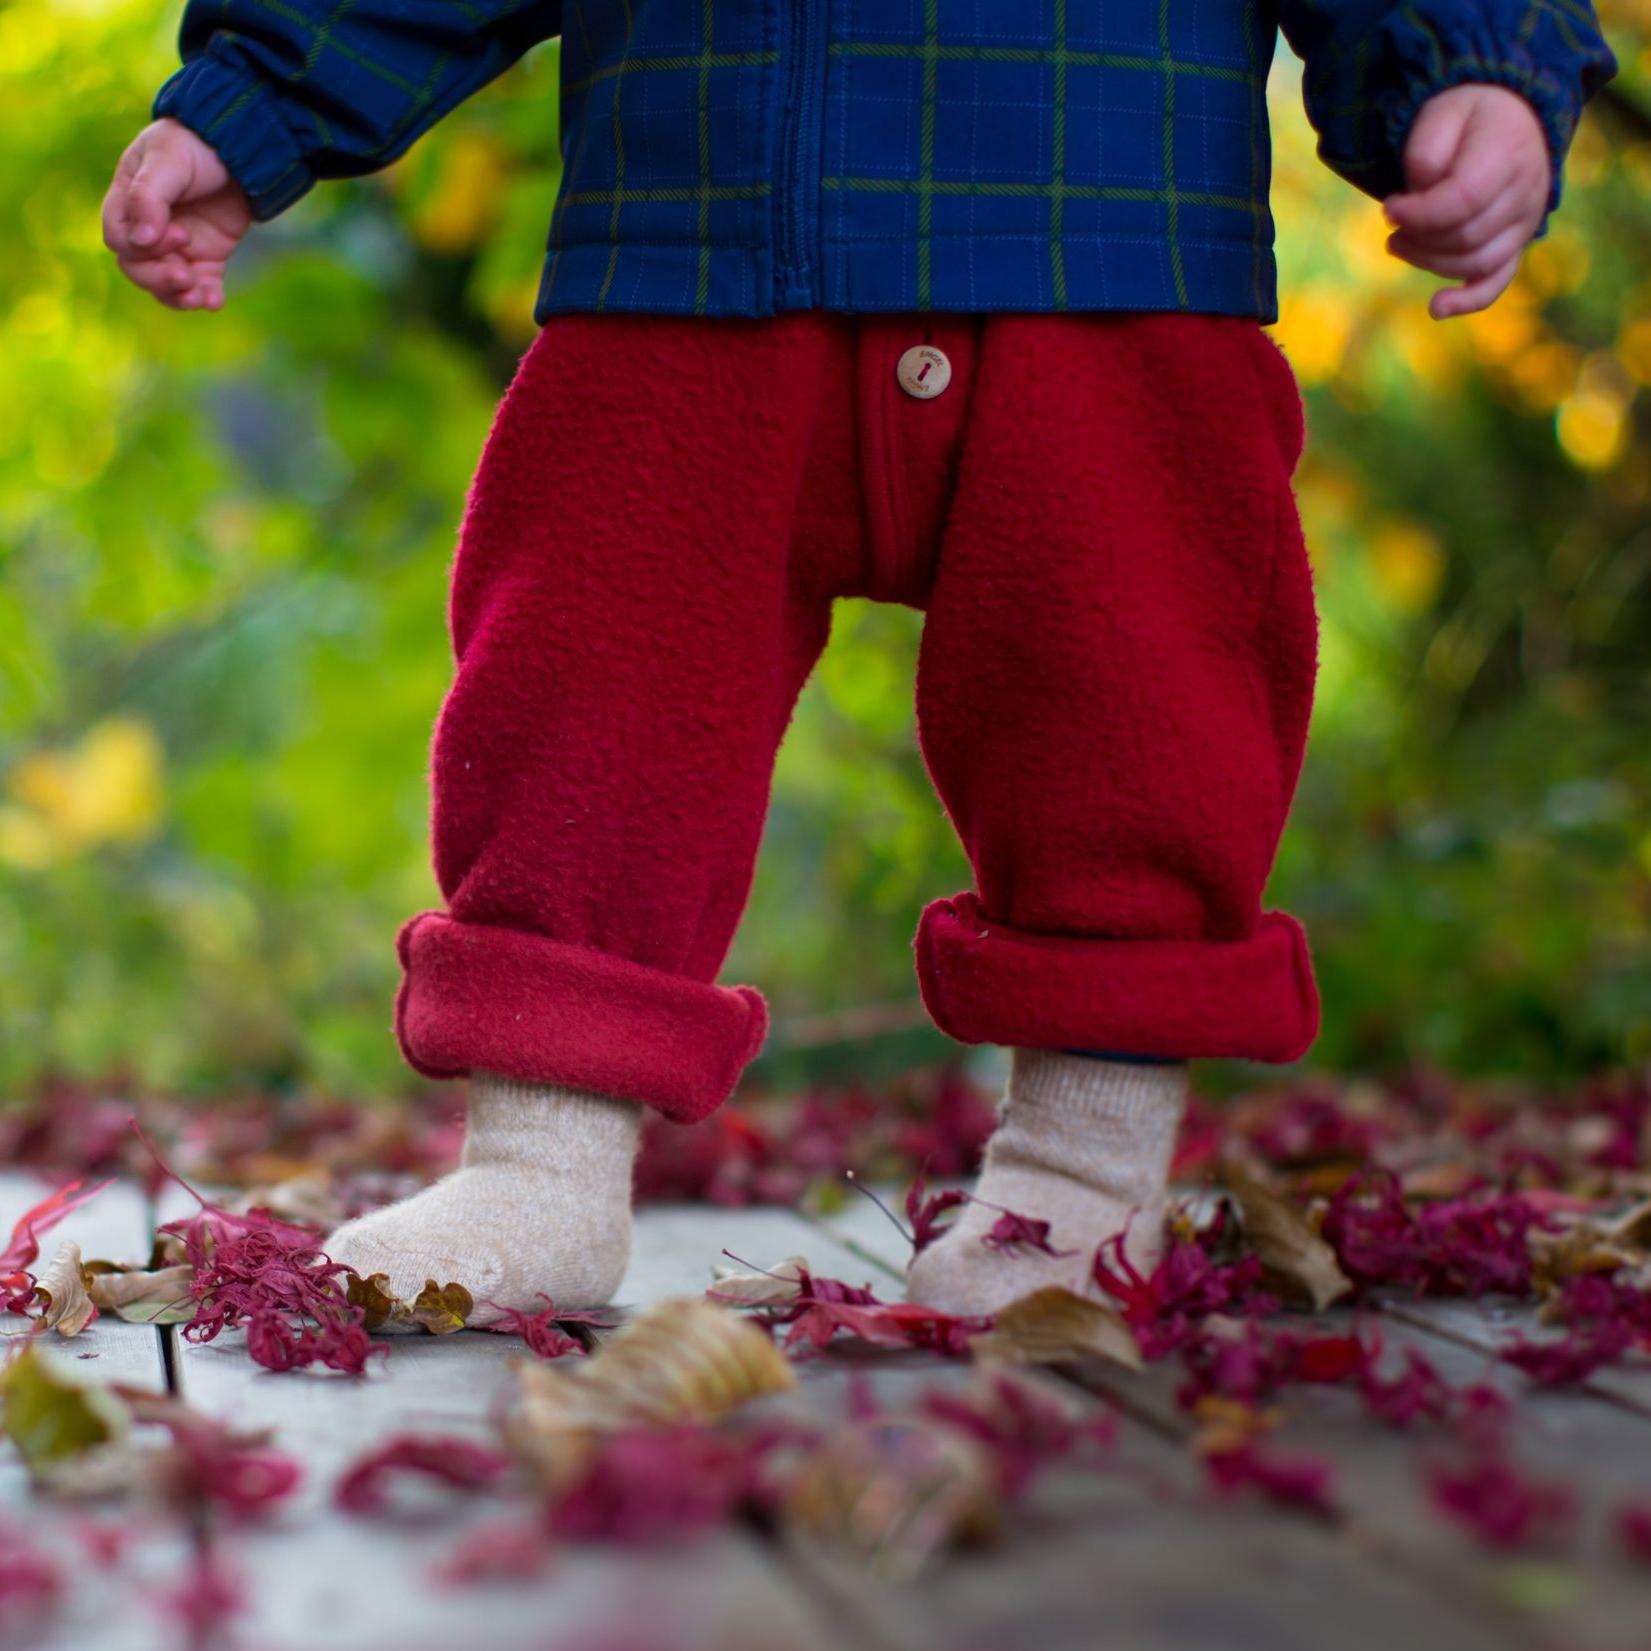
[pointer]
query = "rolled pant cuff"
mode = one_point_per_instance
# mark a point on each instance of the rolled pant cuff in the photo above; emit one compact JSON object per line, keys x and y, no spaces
{"x":474,"y":996}
{"x":1249,"y":999}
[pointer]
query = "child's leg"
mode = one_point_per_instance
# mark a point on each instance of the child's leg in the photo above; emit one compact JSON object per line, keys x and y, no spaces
{"x":657,"y":527}
{"x":1113,"y":694}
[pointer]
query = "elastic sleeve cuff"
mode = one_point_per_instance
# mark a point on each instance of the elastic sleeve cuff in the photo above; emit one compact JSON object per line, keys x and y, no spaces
{"x":229,"y":107}
{"x":1433,"y":60}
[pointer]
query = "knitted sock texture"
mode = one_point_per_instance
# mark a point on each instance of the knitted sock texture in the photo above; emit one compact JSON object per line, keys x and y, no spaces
{"x":539,"y":1205}
{"x":1083,"y":1144}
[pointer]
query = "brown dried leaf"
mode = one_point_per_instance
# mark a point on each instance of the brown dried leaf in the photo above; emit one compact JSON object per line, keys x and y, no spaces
{"x":63,"y":1285}
{"x":679,"y":1362}
{"x":1582,"y":1248}
{"x":439,"y":1308}
{"x":1057,"y":1326}
{"x":890,"y":1494}
{"x":372,"y":1296}
{"x":1295,"y":1261}
{"x":141,"y":1296}
{"x":781,"y":1284}
{"x":1632,"y":1231}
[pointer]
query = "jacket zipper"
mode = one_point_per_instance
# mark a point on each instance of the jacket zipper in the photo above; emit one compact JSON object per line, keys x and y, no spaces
{"x":798,"y":184}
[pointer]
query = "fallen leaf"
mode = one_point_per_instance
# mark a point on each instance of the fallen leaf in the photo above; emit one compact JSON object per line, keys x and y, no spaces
{"x":1633,"y":1229}
{"x":734,"y":1287}
{"x":50,"y":1416}
{"x":1025,"y":1423}
{"x":62,"y":1286}
{"x":1295,"y":1261}
{"x":439,"y":1308}
{"x":681,"y":1362}
{"x":891,"y":1494}
{"x":459,"y":1463}
{"x":163,"y":1295}
{"x":926,"y":1211}
{"x":24,"y":1243}
{"x":1305,"y":1482}
{"x":550,"y":1333}
{"x":372,"y":1296}
{"x":1012,"y":1232}
{"x":1055,"y":1326}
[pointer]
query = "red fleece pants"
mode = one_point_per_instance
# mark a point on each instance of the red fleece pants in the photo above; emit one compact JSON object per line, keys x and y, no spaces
{"x":1113,"y":690}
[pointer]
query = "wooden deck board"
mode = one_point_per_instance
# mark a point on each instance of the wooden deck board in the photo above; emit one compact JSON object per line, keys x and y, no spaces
{"x":1603,"y":1601}
{"x":319,"y":1576}
{"x":99,"y":1614}
{"x":1137,"y":1554}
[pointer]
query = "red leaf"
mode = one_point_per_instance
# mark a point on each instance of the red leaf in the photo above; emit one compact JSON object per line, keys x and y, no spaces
{"x":498,"y":1553}
{"x":1633,"y":1526}
{"x":1163,"y":1307}
{"x":924,"y":1211}
{"x":652,"y":1484}
{"x":1456,"y":1247}
{"x":1298,"y":1482}
{"x":1010,"y":1231}
{"x":887,"y":1324}
{"x":1491,"y":1497}
{"x":1567,"y":1360}
{"x":1417,"y":1392}
{"x":460,"y":1463}
{"x":211,"y":1462}
{"x":31,"y":1585}
{"x":271,"y":1277}
{"x":208,"y":1598}
{"x":542,"y":1331}
{"x":1022,"y":1430}
{"x":23,"y":1248}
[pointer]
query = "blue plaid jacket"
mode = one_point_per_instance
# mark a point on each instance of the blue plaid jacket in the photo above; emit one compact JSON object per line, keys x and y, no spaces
{"x":738,"y":157}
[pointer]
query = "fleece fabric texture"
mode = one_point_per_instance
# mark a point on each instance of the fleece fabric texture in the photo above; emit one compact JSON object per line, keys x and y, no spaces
{"x":1113,"y":688}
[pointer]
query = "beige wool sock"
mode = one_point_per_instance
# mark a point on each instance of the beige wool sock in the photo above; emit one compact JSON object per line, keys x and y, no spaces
{"x":540,"y":1202}
{"x":1083,"y":1144}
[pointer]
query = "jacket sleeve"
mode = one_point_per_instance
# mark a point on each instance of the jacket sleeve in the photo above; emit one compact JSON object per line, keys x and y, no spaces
{"x":1370,"y":65}
{"x":289,"y":91}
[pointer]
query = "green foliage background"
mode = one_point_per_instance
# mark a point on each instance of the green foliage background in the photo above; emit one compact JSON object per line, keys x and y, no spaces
{"x":224,"y":542}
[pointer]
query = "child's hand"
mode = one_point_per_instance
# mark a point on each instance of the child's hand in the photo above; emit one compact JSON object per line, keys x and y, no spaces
{"x":1479,"y":173}
{"x":173,"y":215}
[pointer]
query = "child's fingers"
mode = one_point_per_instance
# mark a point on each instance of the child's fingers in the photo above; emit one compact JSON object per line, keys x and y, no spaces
{"x":1434,"y":140}
{"x":1472,"y":265}
{"x":161,"y":177}
{"x":1509,"y":208}
{"x":164,"y":278}
{"x":1474,"y":184}
{"x":117,"y":228}
{"x":1476,"y":295}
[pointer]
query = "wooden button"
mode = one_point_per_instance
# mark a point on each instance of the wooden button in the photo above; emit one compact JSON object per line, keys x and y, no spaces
{"x":923,"y":371}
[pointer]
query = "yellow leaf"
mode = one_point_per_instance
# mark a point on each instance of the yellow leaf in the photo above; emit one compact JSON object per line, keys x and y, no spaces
{"x":49,"y":1416}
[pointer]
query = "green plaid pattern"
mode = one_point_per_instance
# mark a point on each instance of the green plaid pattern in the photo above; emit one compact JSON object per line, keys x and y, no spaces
{"x":734,"y":157}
